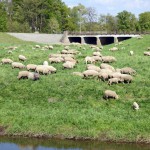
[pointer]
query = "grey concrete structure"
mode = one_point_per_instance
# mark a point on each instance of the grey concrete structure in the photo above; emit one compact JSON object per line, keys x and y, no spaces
{"x":98,"y":39}
{"x":40,"y":38}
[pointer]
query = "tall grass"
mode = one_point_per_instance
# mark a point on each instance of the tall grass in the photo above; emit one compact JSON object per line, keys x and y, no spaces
{"x":63,"y":104}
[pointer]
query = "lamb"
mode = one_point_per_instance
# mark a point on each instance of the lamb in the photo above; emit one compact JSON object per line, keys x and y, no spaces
{"x":135,"y":106}
{"x":131,"y":53}
{"x":113,"y":80}
{"x":33,"y":76}
{"x":17,"y":65}
{"x":108,"y":59}
{"x":110,"y":94}
{"x":128,"y":70}
{"x":69,"y":65}
{"x":78,"y":74}
{"x":22,"y":58}
{"x":106,"y":66}
{"x":23,"y":74}
{"x":6,"y":61}
{"x":31,"y":67}
{"x":92,"y":73}
{"x":42,"y":69}
{"x":89,"y":59}
{"x":126,"y":78}
{"x":45,"y":63}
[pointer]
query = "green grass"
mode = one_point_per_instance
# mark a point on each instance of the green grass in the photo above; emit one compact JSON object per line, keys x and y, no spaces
{"x":79,"y":109}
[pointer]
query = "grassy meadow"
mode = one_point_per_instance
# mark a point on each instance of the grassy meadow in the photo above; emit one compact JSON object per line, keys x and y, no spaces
{"x":68,"y":106}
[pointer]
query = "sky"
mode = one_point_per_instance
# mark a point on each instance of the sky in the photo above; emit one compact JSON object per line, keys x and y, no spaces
{"x":113,"y":6}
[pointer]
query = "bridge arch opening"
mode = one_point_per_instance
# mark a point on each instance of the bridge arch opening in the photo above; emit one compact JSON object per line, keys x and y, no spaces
{"x":74,"y":39}
{"x":106,"y":40}
{"x":90,"y":40}
{"x":123,"y":38}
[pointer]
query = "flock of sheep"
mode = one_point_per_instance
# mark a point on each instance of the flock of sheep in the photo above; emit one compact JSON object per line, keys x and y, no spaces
{"x":104,"y":72}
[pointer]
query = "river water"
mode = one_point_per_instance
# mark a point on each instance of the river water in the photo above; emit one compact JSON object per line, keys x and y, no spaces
{"x":53,"y":144}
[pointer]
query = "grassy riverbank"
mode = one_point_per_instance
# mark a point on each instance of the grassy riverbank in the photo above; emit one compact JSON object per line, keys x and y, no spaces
{"x":68,"y":106}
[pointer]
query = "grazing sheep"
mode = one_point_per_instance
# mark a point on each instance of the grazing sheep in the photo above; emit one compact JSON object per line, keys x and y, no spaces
{"x":17,"y":65}
{"x":51,"y":69}
{"x":50,"y":47}
{"x":108,"y":59}
{"x":128,"y":70}
{"x":45,"y":63}
{"x":31,"y":67}
{"x":23,"y":74}
{"x":69,"y":65}
{"x":131,"y":53}
{"x":22,"y":58}
{"x":135,"y":106}
{"x":114,"y":80}
{"x":33,"y":76}
{"x":55,"y":60}
{"x":147,"y":53}
{"x":89,"y":59}
{"x":37,"y":46}
{"x":42,"y":69}
{"x":97,"y":58}
{"x":115,"y":75}
{"x":92,"y":67}
{"x":126,"y":78}
{"x":148,"y":48}
{"x":106,"y":66}
{"x":78,"y":74}
{"x":113,"y":49}
{"x":103,"y":76}
{"x":10,"y":52}
{"x":110,"y":94}
{"x":97,"y":54}
{"x":139,"y":37}
{"x":92,"y":73}
{"x":70,"y":59}
{"x":6,"y":61}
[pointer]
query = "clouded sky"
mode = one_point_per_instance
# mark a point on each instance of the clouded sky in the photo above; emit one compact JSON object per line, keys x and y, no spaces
{"x":113,"y":6}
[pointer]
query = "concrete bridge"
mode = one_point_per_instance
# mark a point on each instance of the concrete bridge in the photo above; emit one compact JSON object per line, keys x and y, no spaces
{"x":97,"y":39}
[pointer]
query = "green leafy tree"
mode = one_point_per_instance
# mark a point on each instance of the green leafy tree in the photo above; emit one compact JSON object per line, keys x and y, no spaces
{"x":53,"y":26}
{"x":126,"y":21}
{"x":3,"y":18}
{"x":144,"y":21}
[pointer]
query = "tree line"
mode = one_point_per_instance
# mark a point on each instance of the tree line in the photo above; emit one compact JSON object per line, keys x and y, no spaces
{"x":49,"y":16}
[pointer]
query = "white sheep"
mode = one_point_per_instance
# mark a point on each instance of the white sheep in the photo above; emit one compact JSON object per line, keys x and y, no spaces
{"x":110,"y":94}
{"x":17,"y":65}
{"x":51,"y":69}
{"x":106,"y":66}
{"x":89,"y":73}
{"x":147,"y":53}
{"x":37,"y":46}
{"x":93,"y":67}
{"x":55,"y":59}
{"x":114,"y":80}
{"x":6,"y":61}
{"x":135,"y":106}
{"x":31,"y":67}
{"x":89,"y":59}
{"x":113,"y":49}
{"x":108,"y":59}
{"x":126,"y":78}
{"x":97,"y":54}
{"x":23,"y":74}
{"x":128,"y":70}
{"x":103,"y":76}
{"x":97,"y":58}
{"x":22,"y":58}
{"x":69,"y":65}
{"x":50,"y":47}
{"x":42,"y":69}
{"x":45,"y":63}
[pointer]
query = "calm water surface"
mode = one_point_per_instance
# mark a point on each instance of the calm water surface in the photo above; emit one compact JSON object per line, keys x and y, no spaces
{"x":44,"y":144}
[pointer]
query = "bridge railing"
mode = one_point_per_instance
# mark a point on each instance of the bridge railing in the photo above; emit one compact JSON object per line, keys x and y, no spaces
{"x":105,"y":33}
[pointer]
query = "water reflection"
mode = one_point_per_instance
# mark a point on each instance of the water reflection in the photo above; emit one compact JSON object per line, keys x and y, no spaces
{"x":51,"y":144}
